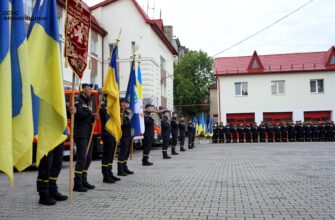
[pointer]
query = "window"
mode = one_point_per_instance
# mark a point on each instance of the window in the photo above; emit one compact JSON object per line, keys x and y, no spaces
{"x":278,"y":87}
{"x":255,"y":64}
{"x":332,"y":61}
{"x":94,"y":47}
{"x":241,"y":89}
{"x":317,"y":86}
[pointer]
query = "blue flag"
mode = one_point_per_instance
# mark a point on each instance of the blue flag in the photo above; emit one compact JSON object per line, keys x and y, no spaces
{"x":133,"y":99}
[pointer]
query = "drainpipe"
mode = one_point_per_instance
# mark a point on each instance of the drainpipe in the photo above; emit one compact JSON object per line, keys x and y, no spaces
{"x":102,"y":63}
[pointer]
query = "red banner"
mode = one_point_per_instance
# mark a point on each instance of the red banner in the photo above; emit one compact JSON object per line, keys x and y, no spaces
{"x":77,"y":29}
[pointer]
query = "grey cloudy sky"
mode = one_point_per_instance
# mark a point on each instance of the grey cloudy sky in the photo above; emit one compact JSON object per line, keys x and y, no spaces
{"x":214,"y":25}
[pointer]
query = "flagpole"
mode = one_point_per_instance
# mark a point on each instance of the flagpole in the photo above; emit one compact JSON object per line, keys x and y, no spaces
{"x":98,"y":110}
{"x":71,"y":138}
{"x":134,"y":60}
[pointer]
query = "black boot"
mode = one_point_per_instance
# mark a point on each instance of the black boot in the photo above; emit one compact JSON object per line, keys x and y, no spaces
{"x":78,"y":183}
{"x":85,"y":183}
{"x":173,"y":151}
{"x":165,"y":155}
{"x":106,"y":176}
{"x":125,"y":168}
{"x":53,"y":190}
{"x":111,"y":174}
{"x":120,"y":170}
{"x":47,"y":200}
{"x":182,"y":149}
{"x":145,"y":161}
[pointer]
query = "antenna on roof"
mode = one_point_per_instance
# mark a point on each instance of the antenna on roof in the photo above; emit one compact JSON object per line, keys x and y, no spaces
{"x":160,"y":14}
{"x":151,"y":8}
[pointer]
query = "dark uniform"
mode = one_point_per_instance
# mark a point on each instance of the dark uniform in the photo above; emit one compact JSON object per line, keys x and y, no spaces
{"x":291,"y":132}
{"x":228,"y":133}
{"x":308,"y":132}
{"x":300,"y":132}
{"x":148,"y":139}
{"x":166,"y":131}
{"x":315,"y":132}
{"x":234,"y":133}
{"x":109,"y":148}
{"x":284,"y":132}
{"x":254,"y":131}
{"x":48,"y":172}
{"x":191,"y":135}
{"x":82,"y":131}
{"x":215,"y":134}
{"x":247,"y":132}
{"x":221,"y":132}
{"x":330,"y":131}
{"x":182,"y":135}
{"x":240,"y":132}
{"x":322,"y":132}
{"x":262,"y":133}
{"x":277,"y":133}
{"x":269,"y":132}
{"x":124,"y":145}
{"x":174,"y":132}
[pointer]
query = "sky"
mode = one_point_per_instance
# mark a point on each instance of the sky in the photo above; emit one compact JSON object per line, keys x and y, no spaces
{"x":214,"y":25}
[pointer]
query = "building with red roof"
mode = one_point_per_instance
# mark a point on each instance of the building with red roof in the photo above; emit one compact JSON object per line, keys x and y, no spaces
{"x":276,"y":87}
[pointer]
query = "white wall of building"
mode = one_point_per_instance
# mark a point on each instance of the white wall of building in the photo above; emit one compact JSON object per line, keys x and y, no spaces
{"x":297,"y":98}
{"x":123,"y":15}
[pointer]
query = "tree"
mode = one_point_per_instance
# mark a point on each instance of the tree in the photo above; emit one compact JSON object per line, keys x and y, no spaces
{"x":193,"y":75}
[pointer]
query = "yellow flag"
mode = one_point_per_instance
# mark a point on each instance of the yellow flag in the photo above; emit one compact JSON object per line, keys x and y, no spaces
{"x":111,"y":88}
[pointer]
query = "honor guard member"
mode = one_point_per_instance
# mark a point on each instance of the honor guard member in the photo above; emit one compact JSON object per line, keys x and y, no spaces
{"x":221,"y":132}
{"x":174,"y":132}
{"x":149,"y":134}
{"x":109,"y":145}
{"x":182,"y":133}
{"x":191,"y":134}
{"x":166,"y":132}
{"x":284,"y":132}
{"x":84,"y":118}
{"x":240,"y":132}
{"x":307,"y":131}
{"x":269,"y":132}
{"x":125,"y":140}
{"x":291,"y":132}
{"x":254,"y":132}
{"x":48,"y":172}
{"x":322,"y":132}
{"x":228,"y":133}
{"x":233,"y":131}
{"x":331,"y":132}
{"x":262,"y":132}
{"x":215,"y":133}
{"x":315,"y":131}
{"x":247,"y":132}
{"x":300,"y":131}
{"x":277,"y":133}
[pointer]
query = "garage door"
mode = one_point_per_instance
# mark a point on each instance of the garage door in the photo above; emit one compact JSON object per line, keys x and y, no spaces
{"x":277,"y":117}
{"x":317,"y":116}
{"x":238,"y":118}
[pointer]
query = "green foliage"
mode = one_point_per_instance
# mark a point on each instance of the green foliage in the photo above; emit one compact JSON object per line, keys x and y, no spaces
{"x":193,"y":75}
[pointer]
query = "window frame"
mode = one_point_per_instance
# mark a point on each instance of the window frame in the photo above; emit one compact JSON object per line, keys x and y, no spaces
{"x":277,"y":82}
{"x":317,"y":86}
{"x":241,"y":89}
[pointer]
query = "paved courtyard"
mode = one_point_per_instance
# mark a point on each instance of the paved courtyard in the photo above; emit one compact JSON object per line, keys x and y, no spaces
{"x":235,"y":181}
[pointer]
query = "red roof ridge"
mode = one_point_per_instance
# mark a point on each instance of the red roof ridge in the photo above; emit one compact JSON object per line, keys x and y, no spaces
{"x":278,"y":54}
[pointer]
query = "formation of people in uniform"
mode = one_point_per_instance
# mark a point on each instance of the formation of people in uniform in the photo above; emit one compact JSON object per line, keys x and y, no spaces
{"x":51,"y":165}
{"x":278,"y":132}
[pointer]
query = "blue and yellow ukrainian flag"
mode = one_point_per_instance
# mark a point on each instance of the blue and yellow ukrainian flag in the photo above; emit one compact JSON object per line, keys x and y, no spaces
{"x":140,"y":97}
{"x":46,"y":78}
{"x":21,"y":93}
{"x":6,"y":155}
{"x":111,"y":88}
{"x":133,"y":99}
